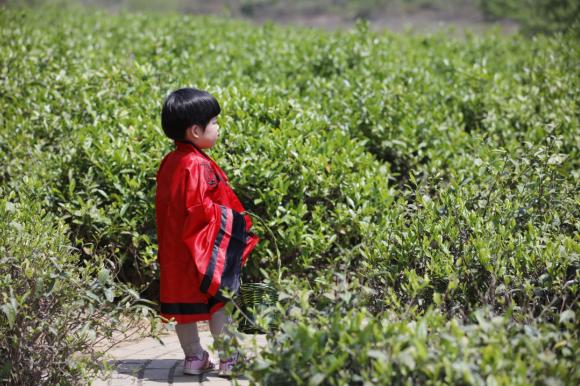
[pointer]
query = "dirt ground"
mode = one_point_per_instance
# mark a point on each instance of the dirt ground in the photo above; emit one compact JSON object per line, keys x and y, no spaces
{"x":456,"y":17}
{"x":422,"y":20}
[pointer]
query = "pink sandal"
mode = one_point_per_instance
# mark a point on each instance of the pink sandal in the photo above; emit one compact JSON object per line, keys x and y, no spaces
{"x":226,"y":367}
{"x":195,"y":366}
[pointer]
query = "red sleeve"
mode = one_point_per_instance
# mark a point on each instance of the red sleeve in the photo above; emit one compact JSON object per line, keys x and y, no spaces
{"x":214,"y":234}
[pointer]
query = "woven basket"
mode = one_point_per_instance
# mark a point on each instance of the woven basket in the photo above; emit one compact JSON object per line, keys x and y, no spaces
{"x":252,"y":298}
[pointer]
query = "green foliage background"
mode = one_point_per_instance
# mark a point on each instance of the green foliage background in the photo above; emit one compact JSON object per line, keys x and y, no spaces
{"x":408,"y":180}
{"x":537,"y":16}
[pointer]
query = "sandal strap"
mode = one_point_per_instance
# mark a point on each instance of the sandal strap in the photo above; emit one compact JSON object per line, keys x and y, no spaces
{"x":233,"y":359}
{"x":207,"y":363}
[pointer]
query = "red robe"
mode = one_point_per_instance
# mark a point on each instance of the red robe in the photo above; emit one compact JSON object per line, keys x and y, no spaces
{"x":203,"y":237}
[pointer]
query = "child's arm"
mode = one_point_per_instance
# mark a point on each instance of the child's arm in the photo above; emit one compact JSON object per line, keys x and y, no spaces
{"x":214,"y":234}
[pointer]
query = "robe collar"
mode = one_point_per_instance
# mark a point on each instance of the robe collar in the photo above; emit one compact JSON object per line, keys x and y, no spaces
{"x":188,"y":147}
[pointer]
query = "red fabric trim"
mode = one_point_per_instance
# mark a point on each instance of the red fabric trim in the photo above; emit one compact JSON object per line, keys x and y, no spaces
{"x":250,"y":245}
{"x":221,"y":259}
{"x":181,"y":319}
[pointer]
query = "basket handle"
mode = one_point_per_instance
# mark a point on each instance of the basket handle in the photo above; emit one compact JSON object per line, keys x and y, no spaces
{"x":250,"y":320}
{"x":279,"y":261}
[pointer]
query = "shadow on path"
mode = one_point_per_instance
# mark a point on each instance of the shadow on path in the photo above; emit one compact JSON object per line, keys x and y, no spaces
{"x":164,"y":371}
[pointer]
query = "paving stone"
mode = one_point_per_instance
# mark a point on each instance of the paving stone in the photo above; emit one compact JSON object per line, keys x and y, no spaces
{"x":130,"y":368}
{"x":156,"y":374}
{"x":124,"y":382}
{"x":148,"y":382}
{"x":183,"y":379}
{"x":99,"y":382}
{"x":216,"y":381}
{"x":220,"y":381}
{"x":161,"y":360}
{"x":161,"y":363}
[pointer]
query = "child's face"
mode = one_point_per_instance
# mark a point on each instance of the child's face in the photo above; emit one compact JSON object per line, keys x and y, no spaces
{"x":204,"y":139}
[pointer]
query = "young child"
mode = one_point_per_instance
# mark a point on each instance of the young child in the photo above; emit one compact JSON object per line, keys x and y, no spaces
{"x":203,"y":231}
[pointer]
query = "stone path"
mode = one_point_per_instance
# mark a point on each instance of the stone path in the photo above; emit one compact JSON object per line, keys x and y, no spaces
{"x":147,"y":362}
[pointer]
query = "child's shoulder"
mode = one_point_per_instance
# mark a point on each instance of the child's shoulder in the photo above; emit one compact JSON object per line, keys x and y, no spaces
{"x":186,"y":160}
{"x":176,"y":161}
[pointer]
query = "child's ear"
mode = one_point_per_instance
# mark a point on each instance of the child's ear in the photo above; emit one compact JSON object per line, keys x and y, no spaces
{"x":195,"y":131}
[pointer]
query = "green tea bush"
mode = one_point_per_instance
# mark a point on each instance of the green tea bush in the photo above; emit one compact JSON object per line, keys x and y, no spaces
{"x":341,"y":342}
{"x":482,"y":240}
{"x":56,"y":310}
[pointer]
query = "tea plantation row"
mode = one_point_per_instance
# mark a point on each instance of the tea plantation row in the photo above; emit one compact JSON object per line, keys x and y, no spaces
{"x":422,"y":191}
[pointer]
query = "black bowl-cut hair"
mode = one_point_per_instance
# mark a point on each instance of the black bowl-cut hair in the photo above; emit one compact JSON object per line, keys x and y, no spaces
{"x":186,"y":107}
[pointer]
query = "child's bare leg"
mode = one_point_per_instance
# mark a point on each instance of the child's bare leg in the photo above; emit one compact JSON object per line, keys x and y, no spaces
{"x":189,"y":339}
{"x":219,"y":323}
